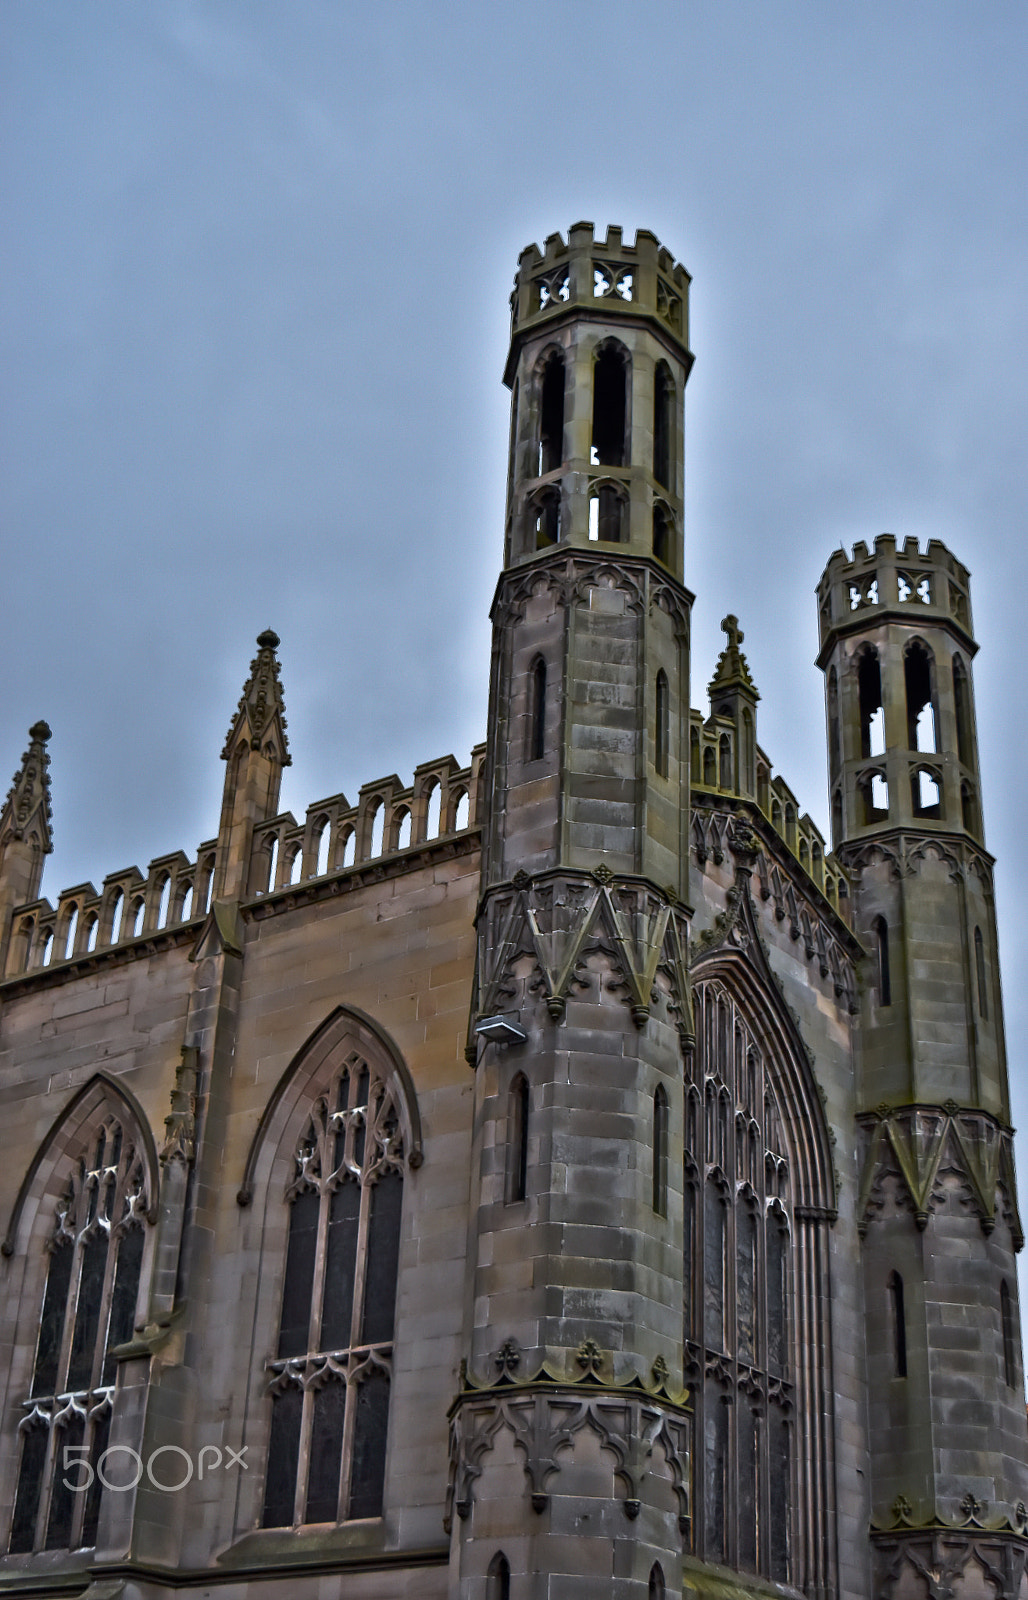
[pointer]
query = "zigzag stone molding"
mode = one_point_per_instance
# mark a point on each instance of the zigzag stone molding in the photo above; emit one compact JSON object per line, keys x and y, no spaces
{"x":556,"y":919}
{"x":911,"y":1150}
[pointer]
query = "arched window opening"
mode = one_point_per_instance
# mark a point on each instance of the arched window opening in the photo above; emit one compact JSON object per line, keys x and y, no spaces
{"x":925,"y":793}
{"x":516,"y":1184}
{"x":117,"y":915}
{"x":872,"y":714}
{"x":48,"y":948}
{"x":377,"y":828}
{"x":498,"y":1587}
{"x":657,"y":1589}
{"x":898,"y":1318}
{"x":663,"y":424}
{"x":537,"y":719}
{"x":295,"y":869}
{"x":513,"y":439}
{"x":776,"y":816}
{"x":883,"y":981}
{"x":610,"y":407}
{"x":661,"y":534}
{"x":433,"y":809}
{"x":749,"y":752}
{"x":73,"y":928}
{"x":350,"y":847}
{"x":724,"y":749}
{"x":326,"y":1455}
{"x":551,"y":415}
{"x":207,"y":880}
{"x":547,"y":519}
{"x":324,"y":837}
{"x":874,"y":792}
{"x":95,"y":1256}
{"x":92,"y":929}
{"x":23,"y":948}
{"x":836,"y":819}
{"x":694,"y":755}
{"x":606,"y":514}
{"x":816,"y":861}
{"x":804,"y":855}
{"x":738,"y":1331}
{"x":919,"y":677}
{"x":790,"y":824}
{"x":979,"y":967}
{"x":462,"y":811}
{"x":660,"y":1137}
{"x":709,"y":767}
{"x":962,"y":708}
{"x":187,"y":904}
{"x":662,"y":732}
{"x":272,"y":879}
{"x":1006,"y":1307}
{"x":403,"y":831}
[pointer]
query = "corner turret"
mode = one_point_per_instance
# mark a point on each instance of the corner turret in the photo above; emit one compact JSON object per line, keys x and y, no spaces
{"x":733,"y":694}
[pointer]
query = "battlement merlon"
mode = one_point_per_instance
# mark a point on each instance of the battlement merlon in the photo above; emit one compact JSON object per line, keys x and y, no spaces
{"x":607,"y":278}
{"x":896,"y":583}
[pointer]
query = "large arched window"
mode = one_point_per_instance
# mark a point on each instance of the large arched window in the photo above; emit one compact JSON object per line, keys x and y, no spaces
{"x":94,"y":1248}
{"x":738,"y":1247}
{"x":330,"y":1376}
{"x":611,"y":372}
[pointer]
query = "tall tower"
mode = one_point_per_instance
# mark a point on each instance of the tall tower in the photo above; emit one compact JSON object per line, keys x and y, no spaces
{"x":570,"y":1441}
{"x":937,"y":1205}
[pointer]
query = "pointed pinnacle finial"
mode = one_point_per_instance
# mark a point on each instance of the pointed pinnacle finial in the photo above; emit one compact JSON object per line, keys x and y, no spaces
{"x":269,"y":639}
{"x":28,"y":799}
{"x":261,"y":709}
{"x":40,"y":732}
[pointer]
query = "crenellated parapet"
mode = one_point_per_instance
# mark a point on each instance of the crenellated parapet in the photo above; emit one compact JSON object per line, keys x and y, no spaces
{"x":894,"y":583}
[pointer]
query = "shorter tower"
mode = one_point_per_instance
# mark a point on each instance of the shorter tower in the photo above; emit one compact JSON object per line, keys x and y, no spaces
{"x":937,"y":1207}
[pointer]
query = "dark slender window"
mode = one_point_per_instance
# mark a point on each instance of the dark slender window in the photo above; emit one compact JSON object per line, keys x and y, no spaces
{"x":663,"y":423}
{"x":899,"y":1325}
{"x":610,"y":407}
{"x":326,"y":1454}
{"x":517,"y":1140}
{"x":883,"y":984}
{"x":89,"y":1308}
{"x":537,"y":740}
{"x":962,"y":707}
{"x":498,"y":1587}
{"x":660,"y":1132}
{"x":657,"y":1589}
{"x":1006,"y":1307}
{"x":979,"y":965}
{"x":662,"y":739}
{"x":919,"y":673}
{"x":725,"y":762}
{"x":694,"y":755}
{"x":551,"y":415}
{"x":834,"y":742}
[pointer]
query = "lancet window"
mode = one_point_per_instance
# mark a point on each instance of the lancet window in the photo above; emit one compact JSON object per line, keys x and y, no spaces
{"x":330,"y":1378}
{"x":738,"y":1230}
{"x":94,"y":1260}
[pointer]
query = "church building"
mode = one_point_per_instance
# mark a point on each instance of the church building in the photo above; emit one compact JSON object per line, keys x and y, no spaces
{"x":564,"y":1175}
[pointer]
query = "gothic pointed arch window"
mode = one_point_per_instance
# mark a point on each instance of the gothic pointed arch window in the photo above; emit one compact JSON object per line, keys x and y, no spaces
{"x":92,"y":1224}
{"x":338,"y":1175}
{"x":739,"y":1251}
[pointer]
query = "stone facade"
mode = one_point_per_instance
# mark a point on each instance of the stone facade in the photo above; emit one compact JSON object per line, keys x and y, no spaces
{"x":562,"y":1176}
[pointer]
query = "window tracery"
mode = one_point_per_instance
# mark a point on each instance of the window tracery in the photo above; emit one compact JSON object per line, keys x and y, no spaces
{"x":330,"y":1378}
{"x":95,"y":1250}
{"x":738,"y":1228}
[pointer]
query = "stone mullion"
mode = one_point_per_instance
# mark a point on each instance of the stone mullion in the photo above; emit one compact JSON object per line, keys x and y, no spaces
{"x":60,"y":1385}
{"x":813,"y":1565}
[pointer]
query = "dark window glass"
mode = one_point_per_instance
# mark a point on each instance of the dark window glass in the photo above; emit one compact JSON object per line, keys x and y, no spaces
{"x":714,"y":1271}
{"x":780,"y":1468}
{"x":749,"y":1502}
{"x":383,"y":1258}
{"x":344,"y":1211}
{"x":283,"y":1456}
{"x":101,"y":1436}
{"x":62,"y":1494}
{"x":537,"y":741}
{"x":296,"y":1298}
{"x":124,"y":1296}
{"x":746,"y":1268}
{"x":30,"y":1483}
{"x":326,"y":1452}
{"x":369,"y":1446}
{"x":51,"y":1325}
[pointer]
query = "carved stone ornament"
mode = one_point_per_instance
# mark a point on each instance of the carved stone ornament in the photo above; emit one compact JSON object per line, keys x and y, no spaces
{"x":546,"y":1420}
{"x":28,"y":799}
{"x":557,"y":919}
{"x":940,"y":1561}
{"x":914,"y":1155}
{"x":180,"y":1127}
{"x":570,"y":577}
{"x":260,"y":715}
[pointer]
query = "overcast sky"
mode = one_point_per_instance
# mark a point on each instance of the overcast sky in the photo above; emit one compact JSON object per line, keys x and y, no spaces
{"x":253,"y":310}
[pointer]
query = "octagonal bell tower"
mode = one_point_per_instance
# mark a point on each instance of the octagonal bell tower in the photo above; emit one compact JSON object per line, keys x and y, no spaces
{"x":571,"y":1437}
{"x":937,"y":1208}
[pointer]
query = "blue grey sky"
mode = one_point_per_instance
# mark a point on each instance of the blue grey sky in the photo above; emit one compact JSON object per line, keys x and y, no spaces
{"x":253,"y":312}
